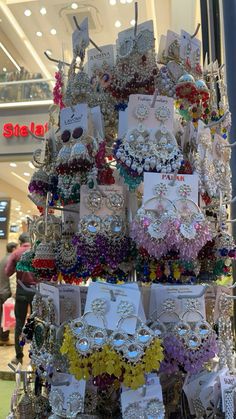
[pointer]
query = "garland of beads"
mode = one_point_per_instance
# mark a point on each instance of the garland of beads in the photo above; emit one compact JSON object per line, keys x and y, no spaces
{"x":58,"y":89}
{"x":108,"y":361}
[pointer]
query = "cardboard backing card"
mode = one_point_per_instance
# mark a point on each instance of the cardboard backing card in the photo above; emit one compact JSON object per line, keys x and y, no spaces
{"x":113,"y":296}
{"x":96,"y":59}
{"x":150,"y":122}
{"x":161,"y":295}
{"x":105,"y":191}
{"x":74,"y":117}
{"x":143,"y":395}
{"x":171,"y":184}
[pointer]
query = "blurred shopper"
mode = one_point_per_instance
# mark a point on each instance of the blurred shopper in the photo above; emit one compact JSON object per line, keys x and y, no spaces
{"x":23,"y":297}
{"x":5,"y":289}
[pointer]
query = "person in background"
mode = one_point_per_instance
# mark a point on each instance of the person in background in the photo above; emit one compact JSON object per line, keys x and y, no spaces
{"x":5,"y":289}
{"x":23,"y":297}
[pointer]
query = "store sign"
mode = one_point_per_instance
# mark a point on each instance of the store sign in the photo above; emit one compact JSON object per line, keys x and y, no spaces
{"x":10,"y":130}
{"x":4,"y":217}
{"x":16,"y":129}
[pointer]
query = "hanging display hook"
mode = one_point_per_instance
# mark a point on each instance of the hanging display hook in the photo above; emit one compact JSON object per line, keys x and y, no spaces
{"x":135,"y":18}
{"x":91,"y":41}
{"x":196,"y":31}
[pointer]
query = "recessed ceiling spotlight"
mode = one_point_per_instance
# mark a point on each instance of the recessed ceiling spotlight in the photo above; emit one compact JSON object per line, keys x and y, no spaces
{"x":74,"y":6}
{"x":132,"y":22}
{"x":129,"y":1}
{"x":17,"y":209}
{"x":53,"y":31}
{"x":27,"y":12}
{"x":4,"y":69}
{"x":39,"y":33}
{"x":112,"y":2}
{"x":13,"y":164}
{"x":26,"y":174}
{"x":20,"y":212}
{"x":28,"y":211}
{"x":43,"y":11}
{"x":117,"y":24}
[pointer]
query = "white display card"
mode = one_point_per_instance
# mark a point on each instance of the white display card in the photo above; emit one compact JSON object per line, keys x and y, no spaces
{"x":152,"y":390}
{"x":80,"y":36}
{"x":74,"y":386}
{"x":96,"y":59}
{"x":69,"y":294}
{"x":150,"y":121}
{"x":163,"y":296}
{"x":161,"y":48}
{"x":172,"y":184}
{"x":186,"y":38}
{"x":210,"y":392}
{"x":70,"y":217}
{"x":193,"y":386}
{"x":50,"y":291}
{"x":104,"y":191}
{"x":170,"y":39}
{"x":227,"y":381}
{"x":123,"y":123}
{"x":129,"y":33}
{"x":109,"y":293}
{"x":83,"y":297}
{"x":98,"y":123}
{"x":74,"y":117}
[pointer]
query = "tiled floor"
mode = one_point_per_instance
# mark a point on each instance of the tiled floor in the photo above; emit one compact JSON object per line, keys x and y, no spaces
{"x":7,"y":353}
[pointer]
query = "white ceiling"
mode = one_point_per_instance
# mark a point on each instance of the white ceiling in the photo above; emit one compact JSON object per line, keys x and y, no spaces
{"x":20,"y":30}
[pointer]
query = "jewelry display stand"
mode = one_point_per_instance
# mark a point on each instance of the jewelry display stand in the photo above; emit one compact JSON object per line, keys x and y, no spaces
{"x":131,"y":251}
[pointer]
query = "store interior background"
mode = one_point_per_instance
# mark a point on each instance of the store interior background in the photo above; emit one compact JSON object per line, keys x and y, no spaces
{"x":27,"y":29}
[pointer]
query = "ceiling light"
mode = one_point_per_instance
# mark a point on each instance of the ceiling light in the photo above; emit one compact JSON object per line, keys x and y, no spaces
{"x":4,"y":69}
{"x":74,"y":6}
{"x":39,"y":33}
{"x":20,"y":212}
{"x":117,"y":24}
{"x":129,"y":1}
{"x":28,"y":211}
{"x":43,"y":11}
{"x":27,"y":12}
{"x":132,"y":22}
{"x":13,"y":164}
{"x":112,"y":2}
{"x":17,"y":209}
{"x":49,"y":52}
{"x":53,"y":31}
{"x":122,"y":1}
{"x":26,"y":174}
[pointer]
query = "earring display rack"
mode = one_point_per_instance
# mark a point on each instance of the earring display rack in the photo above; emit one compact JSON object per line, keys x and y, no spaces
{"x":131,"y":251}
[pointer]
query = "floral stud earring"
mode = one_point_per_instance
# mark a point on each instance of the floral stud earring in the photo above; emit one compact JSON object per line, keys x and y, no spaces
{"x":160,"y":190}
{"x":125,"y":309}
{"x":142,"y":111}
{"x":184,"y":190}
{"x":162,"y":113}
